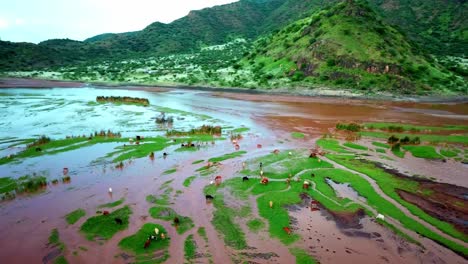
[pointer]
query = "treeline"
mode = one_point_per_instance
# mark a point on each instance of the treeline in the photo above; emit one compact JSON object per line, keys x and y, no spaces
{"x":122,"y":99}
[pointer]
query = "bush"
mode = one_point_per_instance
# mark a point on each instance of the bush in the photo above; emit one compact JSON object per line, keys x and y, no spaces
{"x":392,"y":140}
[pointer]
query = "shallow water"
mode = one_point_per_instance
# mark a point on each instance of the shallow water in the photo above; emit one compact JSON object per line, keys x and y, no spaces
{"x":60,"y":112}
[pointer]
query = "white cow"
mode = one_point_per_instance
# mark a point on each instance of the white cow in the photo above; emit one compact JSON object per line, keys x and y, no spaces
{"x":380,"y":216}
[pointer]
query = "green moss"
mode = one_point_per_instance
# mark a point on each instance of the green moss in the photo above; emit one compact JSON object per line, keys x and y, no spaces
{"x":188,"y":181}
{"x":255,"y":224}
{"x":74,"y":216}
{"x":301,"y":256}
{"x":113,"y":204}
{"x":425,"y":152}
{"x":354,"y":146}
{"x":228,"y":156}
{"x":104,"y":226}
{"x":190,"y":248}
{"x":135,"y":242}
{"x":297,"y":135}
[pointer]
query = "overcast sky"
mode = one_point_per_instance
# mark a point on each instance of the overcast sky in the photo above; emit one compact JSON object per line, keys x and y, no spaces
{"x":38,"y":20}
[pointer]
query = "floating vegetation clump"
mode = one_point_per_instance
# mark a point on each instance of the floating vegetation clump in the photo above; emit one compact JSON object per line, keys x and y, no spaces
{"x":122,"y":99}
{"x":162,"y":119}
{"x":203,"y":130}
{"x":40,"y":141}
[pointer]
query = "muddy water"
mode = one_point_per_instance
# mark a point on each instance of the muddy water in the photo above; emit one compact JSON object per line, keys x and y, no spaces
{"x":60,"y":112}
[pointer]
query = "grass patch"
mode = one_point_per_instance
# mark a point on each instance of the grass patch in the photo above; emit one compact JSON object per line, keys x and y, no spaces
{"x":188,"y":181}
{"x":354,"y":146}
{"x":168,"y":214}
{"x":449,"y":153}
{"x":425,"y":152}
{"x":297,"y":135}
{"x":388,"y":183}
{"x":190,"y":248}
{"x":331,"y":145}
{"x":60,"y":260}
{"x":74,"y":216}
{"x":104,"y":226}
{"x":379,"y":150}
{"x":255,"y":224}
{"x":198,"y":161}
{"x":240,"y":130}
{"x":413,"y":128}
{"x":170,"y":171}
{"x":426,"y":138}
{"x":398,"y":152}
{"x":135,"y":242}
{"x":202,"y":232}
{"x":301,"y":256}
{"x":113,"y":204}
{"x":381,"y":145}
{"x":228,"y":156}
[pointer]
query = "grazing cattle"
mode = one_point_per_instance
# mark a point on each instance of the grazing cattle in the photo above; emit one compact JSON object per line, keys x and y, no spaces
{"x":306,"y":185}
{"x":152,"y":237}
{"x":151,"y":155}
{"x":138,"y":138}
{"x":105,"y":213}
{"x":118,"y":220}
{"x":380,"y":216}
{"x":288,"y":181}
{"x":38,"y":149}
{"x":276,"y":151}
{"x":314,"y":206}
{"x":259,"y":145}
{"x":312,"y":155}
{"x":290,"y":153}
{"x":156,"y":231}
{"x":192,"y":145}
{"x":264,"y":180}
{"x":147,"y":243}
{"x":176,"y":221}
{"x":261,"y":165}
{"x":312,"y":175}
{"x":245,"y":178}
{"x":163,"y":236}
{"x":271,"y":204}
{"x":218,"y":180}
{"x":138,"y":142}
{"x":130,"y":140}
{"x":287,"y":230}
{"x":209,"y":197}
{"x":164,"y":155}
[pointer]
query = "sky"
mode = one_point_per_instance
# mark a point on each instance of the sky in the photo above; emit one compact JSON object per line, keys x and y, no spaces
{"x":39,"y":20}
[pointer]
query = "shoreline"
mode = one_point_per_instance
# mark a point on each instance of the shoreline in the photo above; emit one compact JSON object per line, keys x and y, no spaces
{"x":287,"y":94}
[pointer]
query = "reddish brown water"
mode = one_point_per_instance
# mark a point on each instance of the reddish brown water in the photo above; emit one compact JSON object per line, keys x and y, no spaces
{"x":26,"y":222}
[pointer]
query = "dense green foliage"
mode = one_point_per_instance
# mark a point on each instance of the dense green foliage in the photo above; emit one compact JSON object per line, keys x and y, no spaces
{"x":74,"y":216}
{"x":104,"y":226}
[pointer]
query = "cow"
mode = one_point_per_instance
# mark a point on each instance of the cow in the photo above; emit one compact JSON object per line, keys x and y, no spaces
{"x":287,"y":230}
{"x":209,"y":197}
{"x":245,"y":178}
{"x":264,"y":180}
{"x":105,"y":213}
{"x":118,"y":220}
{"x":176,"y":220}
{"x":147,"y":243}
{"x":380,"y":217}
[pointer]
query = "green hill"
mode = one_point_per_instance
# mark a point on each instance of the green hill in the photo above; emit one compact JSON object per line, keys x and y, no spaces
{"x":347,"y":46}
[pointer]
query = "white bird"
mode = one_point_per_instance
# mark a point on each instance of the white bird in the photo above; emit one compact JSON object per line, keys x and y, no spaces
{"x":261,"y":173}
{"x":110,"y":189}
{"x":290,"y":153}
{"x":211,"y":182}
